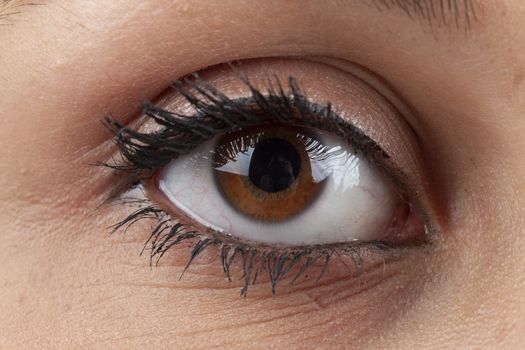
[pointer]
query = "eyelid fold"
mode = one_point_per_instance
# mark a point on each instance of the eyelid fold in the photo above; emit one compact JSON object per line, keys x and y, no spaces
{"x":353,"y":99}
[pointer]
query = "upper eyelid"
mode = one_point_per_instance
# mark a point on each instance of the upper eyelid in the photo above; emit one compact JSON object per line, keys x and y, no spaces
{"x":384,"y":118}
{"x":206,"y":99}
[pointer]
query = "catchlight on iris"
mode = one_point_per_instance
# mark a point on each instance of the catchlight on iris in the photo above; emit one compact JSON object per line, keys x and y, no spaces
{"x":266,"y":173}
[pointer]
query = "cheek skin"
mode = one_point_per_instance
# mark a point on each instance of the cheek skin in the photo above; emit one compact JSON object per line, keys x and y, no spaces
{"x":80,"y":297}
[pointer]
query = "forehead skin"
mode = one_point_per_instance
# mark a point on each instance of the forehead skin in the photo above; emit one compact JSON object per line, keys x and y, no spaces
{"x":65,"y":284}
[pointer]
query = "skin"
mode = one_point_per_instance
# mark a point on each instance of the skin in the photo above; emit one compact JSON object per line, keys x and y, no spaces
{"x":66,"y":284}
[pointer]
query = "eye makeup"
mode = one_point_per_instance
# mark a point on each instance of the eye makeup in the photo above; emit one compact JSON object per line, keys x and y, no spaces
{"x":203,"y":111}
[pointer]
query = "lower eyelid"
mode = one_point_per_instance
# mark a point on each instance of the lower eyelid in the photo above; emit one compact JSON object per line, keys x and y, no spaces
{"x":358,"y":262}
{"x":346,"y":264}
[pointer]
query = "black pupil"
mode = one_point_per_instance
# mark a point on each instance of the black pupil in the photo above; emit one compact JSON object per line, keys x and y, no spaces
{"x":274,"y":165}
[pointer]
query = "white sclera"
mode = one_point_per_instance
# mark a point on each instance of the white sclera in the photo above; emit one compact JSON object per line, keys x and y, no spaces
{"x":356,"y":202}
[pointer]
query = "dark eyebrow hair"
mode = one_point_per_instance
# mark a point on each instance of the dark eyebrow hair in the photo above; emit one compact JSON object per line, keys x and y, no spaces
{"x":460,"y":14}
{"x":10,"y":8}
{"x":436,"y":13}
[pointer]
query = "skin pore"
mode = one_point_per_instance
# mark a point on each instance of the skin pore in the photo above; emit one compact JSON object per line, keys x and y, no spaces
{"x":65,"y":283}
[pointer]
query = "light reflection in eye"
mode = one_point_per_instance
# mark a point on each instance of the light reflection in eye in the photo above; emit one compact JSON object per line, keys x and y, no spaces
{"x":325,"y":161}
{"x":274,"y":179}
{"x":283,"y":185}
{"x":332,"y":161}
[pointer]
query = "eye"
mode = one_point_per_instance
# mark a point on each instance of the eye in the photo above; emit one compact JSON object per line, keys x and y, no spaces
{"x":281,"y":184}
{"x":274,"y":178}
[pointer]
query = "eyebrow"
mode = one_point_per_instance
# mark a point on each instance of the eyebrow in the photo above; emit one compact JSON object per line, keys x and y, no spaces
{"x":460,"y":14}
{"x":10,"y":8}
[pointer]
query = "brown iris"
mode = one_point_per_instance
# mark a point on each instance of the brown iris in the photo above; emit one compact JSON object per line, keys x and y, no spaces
{"x":265,"y":172}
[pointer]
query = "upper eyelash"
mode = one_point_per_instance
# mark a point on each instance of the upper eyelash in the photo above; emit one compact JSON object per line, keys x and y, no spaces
{"x":217,"y":113}
{"x":144,"y":152}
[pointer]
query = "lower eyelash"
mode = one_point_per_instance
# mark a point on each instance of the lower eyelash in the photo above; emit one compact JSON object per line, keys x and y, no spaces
{"x":255,"y":260}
